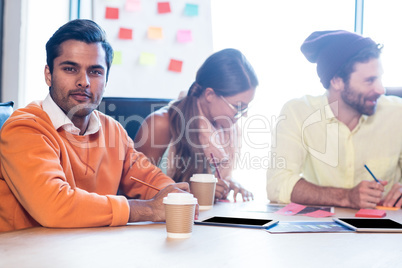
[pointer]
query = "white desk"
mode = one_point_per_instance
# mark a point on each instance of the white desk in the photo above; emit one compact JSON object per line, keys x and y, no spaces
{"x":146,"y":245}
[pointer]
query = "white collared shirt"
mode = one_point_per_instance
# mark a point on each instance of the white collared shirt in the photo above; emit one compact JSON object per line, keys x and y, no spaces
{"x":60,"y":119}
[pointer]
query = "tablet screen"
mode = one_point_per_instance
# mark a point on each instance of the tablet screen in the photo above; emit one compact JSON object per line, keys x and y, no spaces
{"x":238,"y":221}
{"x":372,"y":223}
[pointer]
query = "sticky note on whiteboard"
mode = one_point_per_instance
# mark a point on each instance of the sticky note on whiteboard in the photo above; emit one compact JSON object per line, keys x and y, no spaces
{"x":133,"y":5}
{"x":112,"y":13}
{"x":117,"y":58}
{"x":191,"y":10}
{"x":175,"y":66}
{"x":155,"y":33}
{"x":125,"y":33}
{"x":163,"y":7}
{"x":147,"y":59}
{"x":184,"y":36}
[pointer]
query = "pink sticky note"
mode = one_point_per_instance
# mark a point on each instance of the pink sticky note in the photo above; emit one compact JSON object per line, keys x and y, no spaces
{"x":319,"y":214}
{"x":163,"y":7}
{"x":184,"y":36}
{"x":370,"y":213}
{"x":133,"y":5}
{"x":112,"y":13}
{"x":291,"y":209}
{"x":175,"y":65}
{"x":125,"y":33}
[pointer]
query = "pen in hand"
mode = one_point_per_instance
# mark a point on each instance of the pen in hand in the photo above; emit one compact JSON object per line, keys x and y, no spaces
{"x":371,"y":174}
{"x":216,"y":166}
{"x":146,"y":184}
{"x":217,"y":172}
{"x":399,"y":198}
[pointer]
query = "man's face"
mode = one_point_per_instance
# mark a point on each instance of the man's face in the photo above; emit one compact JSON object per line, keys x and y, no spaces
{"x":79,"y":78}
{"x":364,"y":87}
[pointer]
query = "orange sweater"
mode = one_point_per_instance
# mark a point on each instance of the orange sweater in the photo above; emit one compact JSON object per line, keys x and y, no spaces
{"x":53,"y":178}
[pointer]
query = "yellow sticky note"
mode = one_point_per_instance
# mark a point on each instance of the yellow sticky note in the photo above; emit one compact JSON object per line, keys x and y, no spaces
{"x":117,"y":58}
{"x":155,"y":33}
{"x":147,"y":59}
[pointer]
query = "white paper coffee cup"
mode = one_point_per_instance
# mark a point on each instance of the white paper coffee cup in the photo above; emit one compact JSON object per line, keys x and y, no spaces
{"x":179,"y":210}
{"x":202,"y":186}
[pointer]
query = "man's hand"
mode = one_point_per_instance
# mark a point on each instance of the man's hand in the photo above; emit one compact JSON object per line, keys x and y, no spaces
{"x":153,"y":209}
{"x":367,"y":194}
{"x":393,"y":196}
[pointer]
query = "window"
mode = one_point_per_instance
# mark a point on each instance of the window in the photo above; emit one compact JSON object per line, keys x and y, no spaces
{"x":270,"y":33}
{"x":382,"y":21}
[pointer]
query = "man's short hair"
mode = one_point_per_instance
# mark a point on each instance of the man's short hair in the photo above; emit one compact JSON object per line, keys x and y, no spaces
{"x":81,"y":30}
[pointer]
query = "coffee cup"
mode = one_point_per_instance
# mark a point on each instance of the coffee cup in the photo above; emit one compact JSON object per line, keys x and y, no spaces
{"x":202,"y":186}
{"x":179,"y":211}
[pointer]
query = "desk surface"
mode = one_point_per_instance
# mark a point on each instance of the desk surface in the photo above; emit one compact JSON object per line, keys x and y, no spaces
{"x":146,"y":245}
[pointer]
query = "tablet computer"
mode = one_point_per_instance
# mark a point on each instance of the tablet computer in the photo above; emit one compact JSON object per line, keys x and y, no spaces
{"x":237,"y":222}
{"x":370,"y":224}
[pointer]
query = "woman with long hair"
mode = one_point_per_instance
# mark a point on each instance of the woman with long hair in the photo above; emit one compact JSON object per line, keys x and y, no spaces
{"x":192,"y":133}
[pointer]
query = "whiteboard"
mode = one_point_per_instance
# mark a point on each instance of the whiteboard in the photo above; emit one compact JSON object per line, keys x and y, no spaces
{"x":130,"y":77}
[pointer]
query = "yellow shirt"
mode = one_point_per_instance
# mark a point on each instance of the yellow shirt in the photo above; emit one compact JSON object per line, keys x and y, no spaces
{"x":310,"y":142}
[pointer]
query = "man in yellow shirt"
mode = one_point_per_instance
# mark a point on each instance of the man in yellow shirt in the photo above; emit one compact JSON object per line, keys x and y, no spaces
{"x":324,"y":142}
{"x":62,"y":161}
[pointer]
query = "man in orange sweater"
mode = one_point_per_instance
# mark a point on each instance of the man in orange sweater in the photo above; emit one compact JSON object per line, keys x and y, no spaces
{"x":62,"y":161}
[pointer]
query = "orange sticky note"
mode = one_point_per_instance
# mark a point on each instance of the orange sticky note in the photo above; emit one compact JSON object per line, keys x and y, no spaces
{"x":125,"y":33}
{"x":175,"y":65}
{"x":184,"y":36}
{"x":370,"y":213}
{"x":386,"y":208}
{"x":155,"y":33}
{"x":112,"y":13}
{"x":164,"y":7}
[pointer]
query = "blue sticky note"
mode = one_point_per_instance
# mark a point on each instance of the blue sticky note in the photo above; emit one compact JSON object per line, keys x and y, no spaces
{"x":191,"y":10}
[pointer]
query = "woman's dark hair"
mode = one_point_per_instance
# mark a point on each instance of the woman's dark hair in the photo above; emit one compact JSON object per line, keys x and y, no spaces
{"x":81,"y":30}
{"x":228,"y":73}
{"x":364,"y":55}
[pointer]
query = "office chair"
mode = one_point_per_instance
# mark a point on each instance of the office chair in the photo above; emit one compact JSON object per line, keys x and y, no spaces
{"x":130,"y":112}
{"x":6,"y":109}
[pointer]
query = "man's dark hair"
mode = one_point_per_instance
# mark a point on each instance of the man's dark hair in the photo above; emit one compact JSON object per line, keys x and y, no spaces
{"x":81,"y":30}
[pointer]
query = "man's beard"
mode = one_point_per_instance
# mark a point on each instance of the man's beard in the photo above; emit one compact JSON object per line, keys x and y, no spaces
{"x":358,"y":100}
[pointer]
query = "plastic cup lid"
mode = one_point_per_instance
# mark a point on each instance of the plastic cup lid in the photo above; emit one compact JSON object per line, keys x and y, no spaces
{"x":180,"y":199}
{"x":203,"y":178}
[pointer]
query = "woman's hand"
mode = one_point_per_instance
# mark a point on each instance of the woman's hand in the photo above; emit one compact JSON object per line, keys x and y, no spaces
{"x":223,"y":188}
{"x":237,"y":188}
